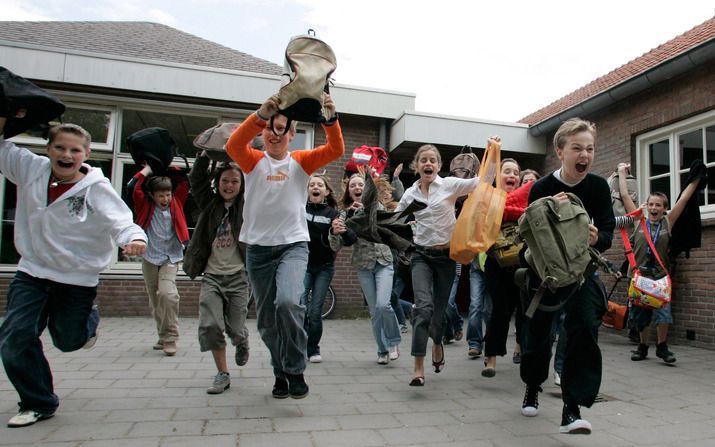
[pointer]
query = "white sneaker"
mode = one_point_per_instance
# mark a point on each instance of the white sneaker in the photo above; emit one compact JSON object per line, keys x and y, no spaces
{"x":394,"y":353}
{"x":383,"y":359}
{"x":315,"y":358}
{"x":27,"y":417}
{"x":557,"y":378}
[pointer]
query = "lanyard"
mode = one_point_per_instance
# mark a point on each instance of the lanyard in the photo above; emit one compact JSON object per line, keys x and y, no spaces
{"x":653,"y":238}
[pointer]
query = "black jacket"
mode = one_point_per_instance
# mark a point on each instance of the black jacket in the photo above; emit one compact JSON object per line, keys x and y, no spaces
{"x":212,"y":209}
{"x":320,"y":217}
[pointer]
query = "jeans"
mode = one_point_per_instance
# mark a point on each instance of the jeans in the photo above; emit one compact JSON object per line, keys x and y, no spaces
{"x":480,"y":307}
{"x":453,"y":320}
{"x":561,"y":343}
{"x":276,"y":275}
{"x":34,"y":304}
{"x":643,"y":316}
{"x":317,"y":279}
{"x":582,"y":368}
{"x":163,"y":298}
{"x":432,"y":276}
{"x":376,"y":285}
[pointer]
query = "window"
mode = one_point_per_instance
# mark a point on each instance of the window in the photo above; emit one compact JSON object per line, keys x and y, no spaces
{"x":664,"y":157}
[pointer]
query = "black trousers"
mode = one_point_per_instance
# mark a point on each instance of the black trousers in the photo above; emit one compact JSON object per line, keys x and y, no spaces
{"x":505,"y":301}
{"x":581,"y":374}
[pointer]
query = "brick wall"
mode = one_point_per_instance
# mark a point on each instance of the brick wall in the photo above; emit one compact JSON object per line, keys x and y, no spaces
{"x":618,"y":126}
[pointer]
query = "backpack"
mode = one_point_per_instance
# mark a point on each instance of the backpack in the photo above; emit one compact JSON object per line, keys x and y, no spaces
{"x":556,"y":235}
{"x":372,"y":156}
{"x":39,"y":107}
{"x":616,"y":200}
{"x":309,"y":62}
{"x":154,"y":146}
{"x":465,"y":164}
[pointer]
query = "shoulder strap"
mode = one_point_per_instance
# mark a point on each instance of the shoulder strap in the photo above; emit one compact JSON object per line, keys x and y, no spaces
{"x":629,"y":248}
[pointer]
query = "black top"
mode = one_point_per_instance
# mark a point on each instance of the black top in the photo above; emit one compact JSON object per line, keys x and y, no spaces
{"x":596,"y":197}
{"x":320,"y":217}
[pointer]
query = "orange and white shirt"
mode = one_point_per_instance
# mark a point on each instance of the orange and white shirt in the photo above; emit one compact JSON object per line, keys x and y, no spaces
{"x":277,"y":190}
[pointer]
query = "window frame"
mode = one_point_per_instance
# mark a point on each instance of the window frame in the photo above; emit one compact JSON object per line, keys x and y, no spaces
{"x":671,"y":133}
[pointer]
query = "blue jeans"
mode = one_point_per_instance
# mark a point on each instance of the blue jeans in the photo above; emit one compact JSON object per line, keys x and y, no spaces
{"x":454,"y":320}
{"x":480,"y":307}
{"x":317,"y":279}
{"x":276,"y":275}
{"x":34,"y":304}
{"x":376,"y":285}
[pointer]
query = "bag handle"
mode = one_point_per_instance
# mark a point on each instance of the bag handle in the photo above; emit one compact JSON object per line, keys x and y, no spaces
{"x":629,"y":248}
{"x":491,"y":163}
{"x":466,"y":149}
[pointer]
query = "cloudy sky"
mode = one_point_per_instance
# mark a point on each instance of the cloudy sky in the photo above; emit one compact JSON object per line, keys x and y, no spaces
{"x":494,"y":60}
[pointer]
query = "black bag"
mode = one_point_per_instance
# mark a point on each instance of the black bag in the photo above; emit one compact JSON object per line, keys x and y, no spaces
{"x":154,"y":146}
{"x":17,"y":93}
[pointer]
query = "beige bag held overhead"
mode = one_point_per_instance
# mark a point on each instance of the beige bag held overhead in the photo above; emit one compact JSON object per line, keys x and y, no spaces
{"x":213,"y":141}
{"x":309,"y":63}
{"x":479,"y":222}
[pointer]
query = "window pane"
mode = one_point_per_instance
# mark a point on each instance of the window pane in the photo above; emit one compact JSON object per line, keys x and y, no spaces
{"x":690,"y":146}
{"x":710,"y":143}
{"x":96,"y":122}
{"x":660,"y":185}
{"x":683,"y":178}
{"x":659,"y":157}
{"x":299,"y":141}
{"x":105,"y":165}
{"x":8,"y":254}
{"x":182,"y":128}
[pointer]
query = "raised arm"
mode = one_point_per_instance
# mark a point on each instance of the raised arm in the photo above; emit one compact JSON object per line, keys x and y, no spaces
{"x":679,"y":206}
{"x":623,"y":187}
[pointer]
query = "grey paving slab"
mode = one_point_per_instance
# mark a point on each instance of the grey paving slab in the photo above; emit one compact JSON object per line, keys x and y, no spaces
{"x":123,"y":393}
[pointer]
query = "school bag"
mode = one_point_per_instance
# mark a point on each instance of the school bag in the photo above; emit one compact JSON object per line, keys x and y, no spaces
{"x":616,"y":201}
{"x":309,"y":63}
{"x":16,"y":94}
{"x":556,"y":235}
{"x":372,"y":156}
{"x":154,"y":146}
{"x":465,"y":164}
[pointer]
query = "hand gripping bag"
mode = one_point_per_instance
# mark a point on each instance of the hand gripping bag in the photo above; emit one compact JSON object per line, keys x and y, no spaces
{"x":479,"y":222}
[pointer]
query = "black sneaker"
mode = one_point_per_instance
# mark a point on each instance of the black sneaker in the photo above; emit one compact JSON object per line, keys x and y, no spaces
{"x":661,"y":351}
{"x":242,"y":352}
{"x":572,"y":423}
{"x":641,"y":353}
{"x":530,"y":406}
{"x":297,"y":388}
{"x":280,"y":388}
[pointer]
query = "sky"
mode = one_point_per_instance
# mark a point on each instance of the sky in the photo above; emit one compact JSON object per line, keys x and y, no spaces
{"x":488,"y":60}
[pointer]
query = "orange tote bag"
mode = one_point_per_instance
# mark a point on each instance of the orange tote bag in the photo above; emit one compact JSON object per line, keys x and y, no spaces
{"x":480,"y":220}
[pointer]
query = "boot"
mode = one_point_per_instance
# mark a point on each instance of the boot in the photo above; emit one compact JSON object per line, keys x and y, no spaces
{"x":641,"y":353}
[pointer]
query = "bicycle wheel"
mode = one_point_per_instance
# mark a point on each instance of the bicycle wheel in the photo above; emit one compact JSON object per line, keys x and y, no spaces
{"x":329,"y":303}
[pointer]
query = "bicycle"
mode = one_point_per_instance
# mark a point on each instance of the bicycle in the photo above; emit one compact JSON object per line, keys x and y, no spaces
{"x":328,"y":304}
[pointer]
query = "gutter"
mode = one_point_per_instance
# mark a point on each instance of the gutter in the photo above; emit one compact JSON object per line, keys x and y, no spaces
{"x":667,"y":70}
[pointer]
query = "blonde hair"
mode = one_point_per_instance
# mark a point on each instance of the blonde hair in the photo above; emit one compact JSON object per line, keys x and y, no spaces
{"x":570,"y":127}
{"x":70,"y":128}
{"x":422,"y":149}
{"x":383,"y":186}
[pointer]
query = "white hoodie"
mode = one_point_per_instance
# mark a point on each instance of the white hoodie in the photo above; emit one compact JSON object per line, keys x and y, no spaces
{"x":71,"y":240}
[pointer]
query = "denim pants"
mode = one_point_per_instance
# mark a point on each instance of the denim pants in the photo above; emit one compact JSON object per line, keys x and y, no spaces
{"x":34,"y":304}
{"x":453,"y":320}
{"x":506,"y":299}
{"x":160,"y":281}
{"x":432,"y":276}
{"x":480,"y":307}
{"x":376,"y":285}
{"x":317,"y":280}
{"x":582,"y":368}
{"x":276,"y":275}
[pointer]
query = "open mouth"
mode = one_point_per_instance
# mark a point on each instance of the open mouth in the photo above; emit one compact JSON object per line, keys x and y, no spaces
{"x":510,"y":182}
{"x":65,"y":164}
{"x":581,"y":167}
{"x":315,"y":193}
{"x":428,"y":171}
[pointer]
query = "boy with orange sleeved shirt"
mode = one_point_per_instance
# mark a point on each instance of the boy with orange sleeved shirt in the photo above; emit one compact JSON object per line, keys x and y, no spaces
{"x":275,"y":231}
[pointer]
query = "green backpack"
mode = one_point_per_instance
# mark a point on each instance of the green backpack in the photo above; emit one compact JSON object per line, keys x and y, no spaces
{"x":556,"y":235}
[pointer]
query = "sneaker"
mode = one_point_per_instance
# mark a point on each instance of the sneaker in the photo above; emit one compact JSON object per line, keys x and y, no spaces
{"x":404,"y":328}
{"x":297,"y":388}
{"x":158,"y":346}
{"x":222,"y":382}
{"x":383,"y":359}
{"x":91,"y":341}
{"x":394,"y":353}
{"x":530,"y":406}
{"x":661,"y":351}
{"x":280,"y":388}
{"x":641,"y":353}
{"x":516,"y":358}
{"x":169,"y":348}
{"x":92,"y":324}
{"x":458,"y":335}
{"x":242,"y":354}
{"x":572,"y":423}
{"x":557,"y":378}
{"x":315,"y":358}
{"x":474,"y":353}
{"x":28,"y":417}
{"x":448,"y":340}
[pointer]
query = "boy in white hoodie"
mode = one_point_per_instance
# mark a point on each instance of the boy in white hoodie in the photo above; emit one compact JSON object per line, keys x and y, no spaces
{"x":67,"y":220}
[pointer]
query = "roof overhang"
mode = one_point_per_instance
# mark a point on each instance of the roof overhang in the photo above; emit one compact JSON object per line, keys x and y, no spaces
{"x":420,"y":127}
{"x":167,"y":78}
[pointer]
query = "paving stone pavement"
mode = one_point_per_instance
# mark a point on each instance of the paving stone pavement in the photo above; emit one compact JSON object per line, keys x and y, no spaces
{"x":123,"y":393}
